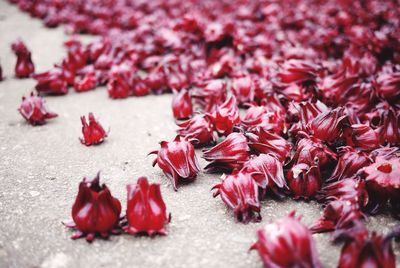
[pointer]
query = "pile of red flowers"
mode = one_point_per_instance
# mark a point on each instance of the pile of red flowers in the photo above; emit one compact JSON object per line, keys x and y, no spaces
{"x":318,"y":83}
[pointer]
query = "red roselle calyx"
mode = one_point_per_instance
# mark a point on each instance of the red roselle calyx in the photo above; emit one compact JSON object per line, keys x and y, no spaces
{"x":197,"y":130}
{"x":146,"y":210}
{"x":226,"y":117}
{"x":240,"y":193}
{"x":243,"y":89}
{"x":34,"y":110}
{"x":327,"y":125}
{"x":210,"y":95}
{"x":298,"y":71}
{"x":24,"y":66}
{"x":182,"y":105}
{"x":304,"y":181}
{"x":286,"y":243}
{"x":95,"y":211}
{"x":230,"y":154}
{"x":93,"y":132}
{"x":362,"y":136}
{"x":309,"y":150}
{"x":178,"y":161}
{"x":53,"y":82}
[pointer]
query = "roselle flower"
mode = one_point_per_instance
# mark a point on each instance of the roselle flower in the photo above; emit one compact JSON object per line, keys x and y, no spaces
{"x":349,"y":163}
{"x":240,"y":193}
{"x":140,"y":88}
{"x":363,"y":250}
{"x":24,"y":66}
{"x":88,"y":82}
{"x":146,"y":210}
{"x":93,"y":132}
{"x":266,"y":170}
{"x":304,"y":113}
{"x":210,"y":95}
{"x":34,"y":110}
{"x":327,"y":125}
{"x":279,"y":243}
{"x":383,"y":175}
{"x":309,"y":149}
{"x":389,"y":132}
{"x":177,"y":159}
{"x":198,"y":130}
{"x":228,"y":155}
{"x":336,"y":86}
{"x":52,"y":82}
{"x":387,"y":85}
{"x":361,"y":136}
{"x":226,"y":117}
{"x":95,"y":211}
{"x":182,"y":105}
{"x":118,"y":86}
{"x":297,"y":71}
{"x":349,"y":189}
{"x":260,"y":116}
{"x":243,"y":89}
{"x":267,"y":142}
{"x":304,"y":181}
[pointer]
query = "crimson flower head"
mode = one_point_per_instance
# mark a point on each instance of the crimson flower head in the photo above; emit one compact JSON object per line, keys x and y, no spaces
{"x":294,"y":70}
{"x":389,"y":131}
{"x":197,"y":130}
{"x":308,"y":150}
{"x":304,"y":180}
{"x":240,"y":193}
{"x":387,"y":85}
{"x":266,"y":170}
{"x":178,"y":161}
{"x":327,"y":125}
{"x":210,"y":95}
{"x":286,"y":243}
{"x":53,"y":82}
{"x":349,"y":189}
{"x":384,"y":174}
{"x":146,"y":210}
{"x":228,"y":155}
{"x":95,"y":211}
{"x":24,"y":67}
{"x":88,"y":81}
{"x":243,"y":89}
{"x":362,"y":136}
{"x":118,"y":86}
{"x":226,"y":116}
{"x":182,"y":105}
{"x":261,"y":116}
{"x":34,"y":110}
{"x":93,"y":132}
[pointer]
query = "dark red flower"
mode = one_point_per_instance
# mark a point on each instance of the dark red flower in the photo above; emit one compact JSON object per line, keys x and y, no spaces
{"x":303,"y":113}
{"x":88,"y":82}
{"x":335,"y":87}
{"x":93,"y":132}
{"x":229,"y":154}
{"x":34,"y":110}
{"x":178,"y":161}
{"x":197,"y":130}
{"x":266,"y":170}
{"x":327,"y":125}
{"x":361,"y":136}
{"x":243,"y":89}
{"x":95,"y":211}
{"x":349,"y":189}
{"x":24,"y":66}
{"x":267,"y":142}
{"x":240,"y":193}
{"x":304,"y":181}
{"x":52,"y":82}
{"x":286,"y":243}
{"x":389,"y":132}
{"x":140,"y":88}
{"x":226,"y":117}
{"x":146,"y":210}
{"x":261,"y":116}
{"x":210,"y":95}
{"x":294,"y":70}
{"x":387,"y":85}
{"x":118,"y":86}
{"x":310,"y":149}
{"x":182,"y":105}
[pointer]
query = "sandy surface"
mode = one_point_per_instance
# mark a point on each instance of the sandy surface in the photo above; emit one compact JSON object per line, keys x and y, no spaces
{"x":40,"y":168}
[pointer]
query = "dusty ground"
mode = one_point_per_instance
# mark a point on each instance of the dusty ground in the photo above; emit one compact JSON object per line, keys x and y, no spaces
{"x":40,"y":168}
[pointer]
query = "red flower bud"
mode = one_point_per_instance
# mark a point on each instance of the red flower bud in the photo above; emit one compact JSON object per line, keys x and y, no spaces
{"x":24,"y":66}
{"x":93,"y":132}
{"x":266,"y":170}
{"x":308,"y":150}
{"x":178,"y":161}
{"x":294,"y":70}
{"x":140,"y":88}
{"x":327,"y":125}
{"x":95,"y":210}
{"x":349,"y":189}
{"x":34,"y":110}
{"x":384,"y":174}
{"x":335,"y":87}
{"x":243,"y":89}
{"x":197,"y":130}
{"x":226,"y":117}
{"x":230,"y":154}
{"x":88,"y":82}
{"x":267,"y":142}
{"x":240,"y":193}
{"x":389,"y":132}
{"x":182,"y":105}
{"x":286,"y":243}
{"x":146,"y":210}
{"x":52,"y":82}
{"x":210,"y":95}
{"x":118,"y":86}
{"x":304,"y":181}
{"x":361,"y":136}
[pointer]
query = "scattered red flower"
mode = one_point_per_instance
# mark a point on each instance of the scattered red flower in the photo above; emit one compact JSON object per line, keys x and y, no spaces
{"x":24,"y":66}
{"x":93,"y":132}
{"x":182,"y":105}
{"x":34,"y":110}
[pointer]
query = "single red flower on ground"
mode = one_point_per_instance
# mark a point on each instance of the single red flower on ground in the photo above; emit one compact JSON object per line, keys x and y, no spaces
{"x":93,"y":132}
{"x":95,"y":211}
{"x":286,"y":243}
{"x":178,"y":161}
{"x":34,"y":110}
{"x":240,"y":193}
{"x":146,"y":210}
{"x":24,"y":66}
{"x":182,"y":105}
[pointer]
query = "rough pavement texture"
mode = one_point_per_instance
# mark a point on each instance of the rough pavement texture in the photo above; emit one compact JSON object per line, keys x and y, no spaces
{"x":40,"y":168}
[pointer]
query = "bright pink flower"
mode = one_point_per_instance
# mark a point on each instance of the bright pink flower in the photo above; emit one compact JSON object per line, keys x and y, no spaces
{"x":197,"y":130}
{"x":146,"y":210}
{"x":24,"y":66}
{"x":52,"y":82}
{"x":240,"y":193}
{"x":226,"y":117}
{"x":286,"y":243}
{"x":228,"y":155}
{"x":182,"y":105}
{"x":327,"y":125}
{"x":93,"y":132}
{"x":34,"y":110}
{"x":304,"y":181}
{"x":266,"y":170}
{"x":178,"y":161}
{"x":95,"y":211}
{"x":297,"y":71}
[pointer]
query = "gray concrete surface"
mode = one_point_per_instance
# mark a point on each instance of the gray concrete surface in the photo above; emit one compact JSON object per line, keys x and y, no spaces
{"x":40,"y":168}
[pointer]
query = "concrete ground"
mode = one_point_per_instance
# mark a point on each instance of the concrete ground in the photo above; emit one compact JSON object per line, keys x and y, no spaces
{"x":40,"y":168}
